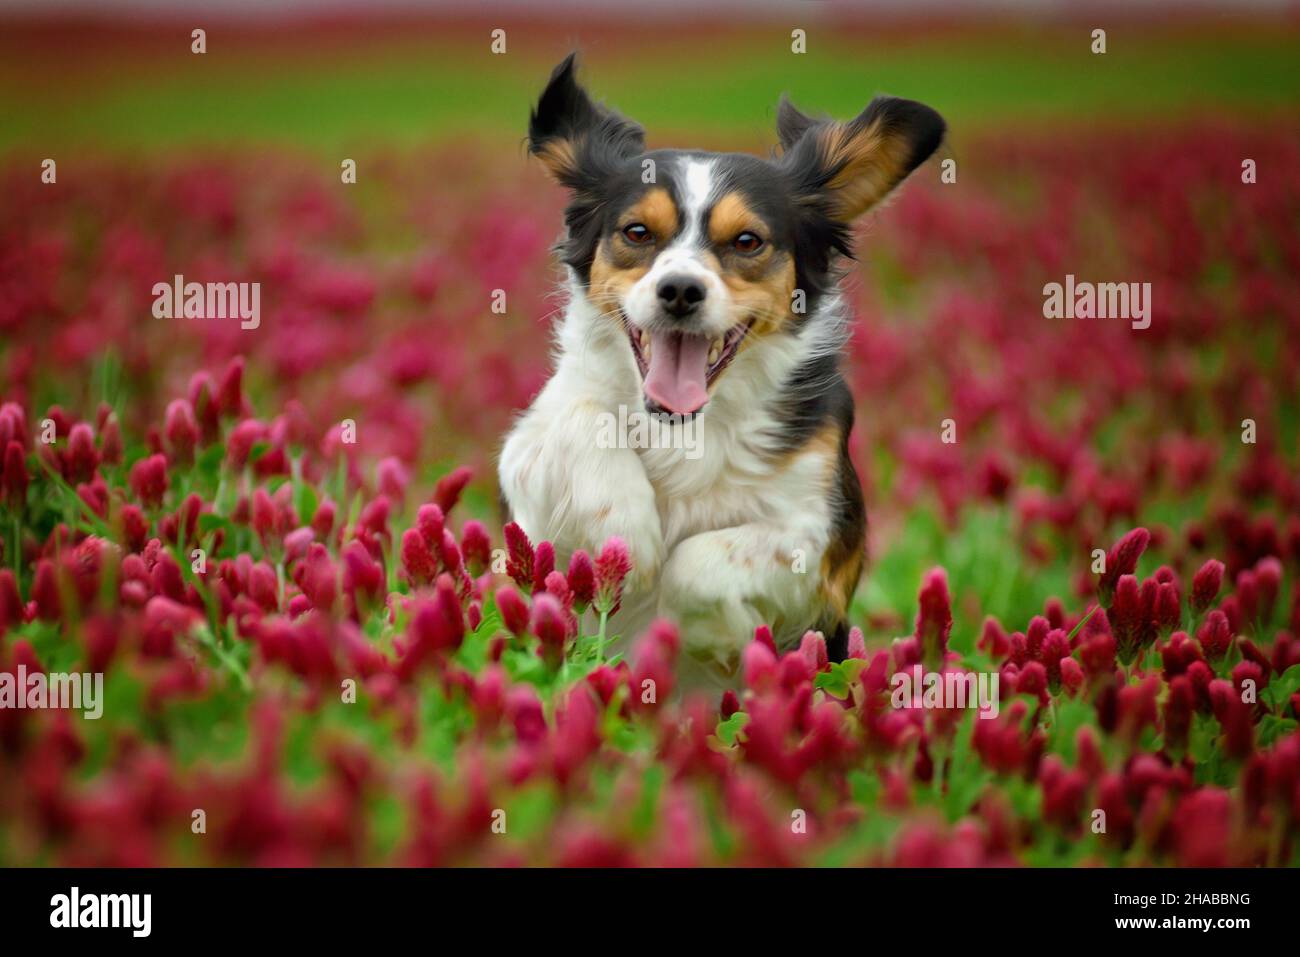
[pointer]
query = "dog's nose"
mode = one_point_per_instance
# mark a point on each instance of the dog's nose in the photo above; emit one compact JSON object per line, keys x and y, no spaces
{"x":680,"y":295}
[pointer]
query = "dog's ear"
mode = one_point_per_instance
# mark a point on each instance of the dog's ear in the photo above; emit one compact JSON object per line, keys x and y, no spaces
{"x":578,"y":141}
{"x":791,"y":124}
{"x":846,"y":168}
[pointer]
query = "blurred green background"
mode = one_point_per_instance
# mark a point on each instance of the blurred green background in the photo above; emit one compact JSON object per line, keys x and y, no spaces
{"x":347,"y":83}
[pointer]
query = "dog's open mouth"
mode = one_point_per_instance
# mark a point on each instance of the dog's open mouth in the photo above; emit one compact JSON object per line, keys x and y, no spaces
{"x":677,"y":369}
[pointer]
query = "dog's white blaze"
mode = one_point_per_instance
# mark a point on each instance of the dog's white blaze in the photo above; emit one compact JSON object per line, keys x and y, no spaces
{"x":683,"y":257}
{"x":697,"y":187}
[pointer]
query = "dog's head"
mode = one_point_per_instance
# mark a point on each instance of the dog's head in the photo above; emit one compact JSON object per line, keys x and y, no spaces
{"x":700,"y":255}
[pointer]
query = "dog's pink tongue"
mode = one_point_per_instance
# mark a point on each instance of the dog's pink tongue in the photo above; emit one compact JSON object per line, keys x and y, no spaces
{"x":678,"y":366}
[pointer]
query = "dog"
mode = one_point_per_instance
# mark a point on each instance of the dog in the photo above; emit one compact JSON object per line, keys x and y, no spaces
{"x":702,"y":294}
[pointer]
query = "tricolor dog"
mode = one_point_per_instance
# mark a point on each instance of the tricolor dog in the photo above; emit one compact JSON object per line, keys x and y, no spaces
{"x":702,"y":289}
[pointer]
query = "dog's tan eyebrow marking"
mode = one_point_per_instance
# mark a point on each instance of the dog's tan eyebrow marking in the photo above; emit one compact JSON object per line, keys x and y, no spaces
{"x":656,"y":211}
{"x":731,"y":216}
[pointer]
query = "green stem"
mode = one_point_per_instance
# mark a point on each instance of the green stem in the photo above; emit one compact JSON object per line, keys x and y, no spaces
{"x":1082,"y":621}
{"x":227,"y":660}
{"x":600,"y":637}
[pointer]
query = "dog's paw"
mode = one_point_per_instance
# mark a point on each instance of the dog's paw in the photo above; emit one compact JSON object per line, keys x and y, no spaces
{"x":707,"y":593}
{"x":563,"y":486}
{"x":612,"y":497}
{"x":721,"y":585}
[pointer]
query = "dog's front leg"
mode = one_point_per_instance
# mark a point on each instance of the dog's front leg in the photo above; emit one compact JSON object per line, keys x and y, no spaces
{"x":720,"y":585}
{"x":564,"y":484}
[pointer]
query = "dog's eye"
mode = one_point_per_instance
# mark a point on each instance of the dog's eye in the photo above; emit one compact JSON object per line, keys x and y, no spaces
{"x":748,"y":242}
{"x":636,"y":234}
